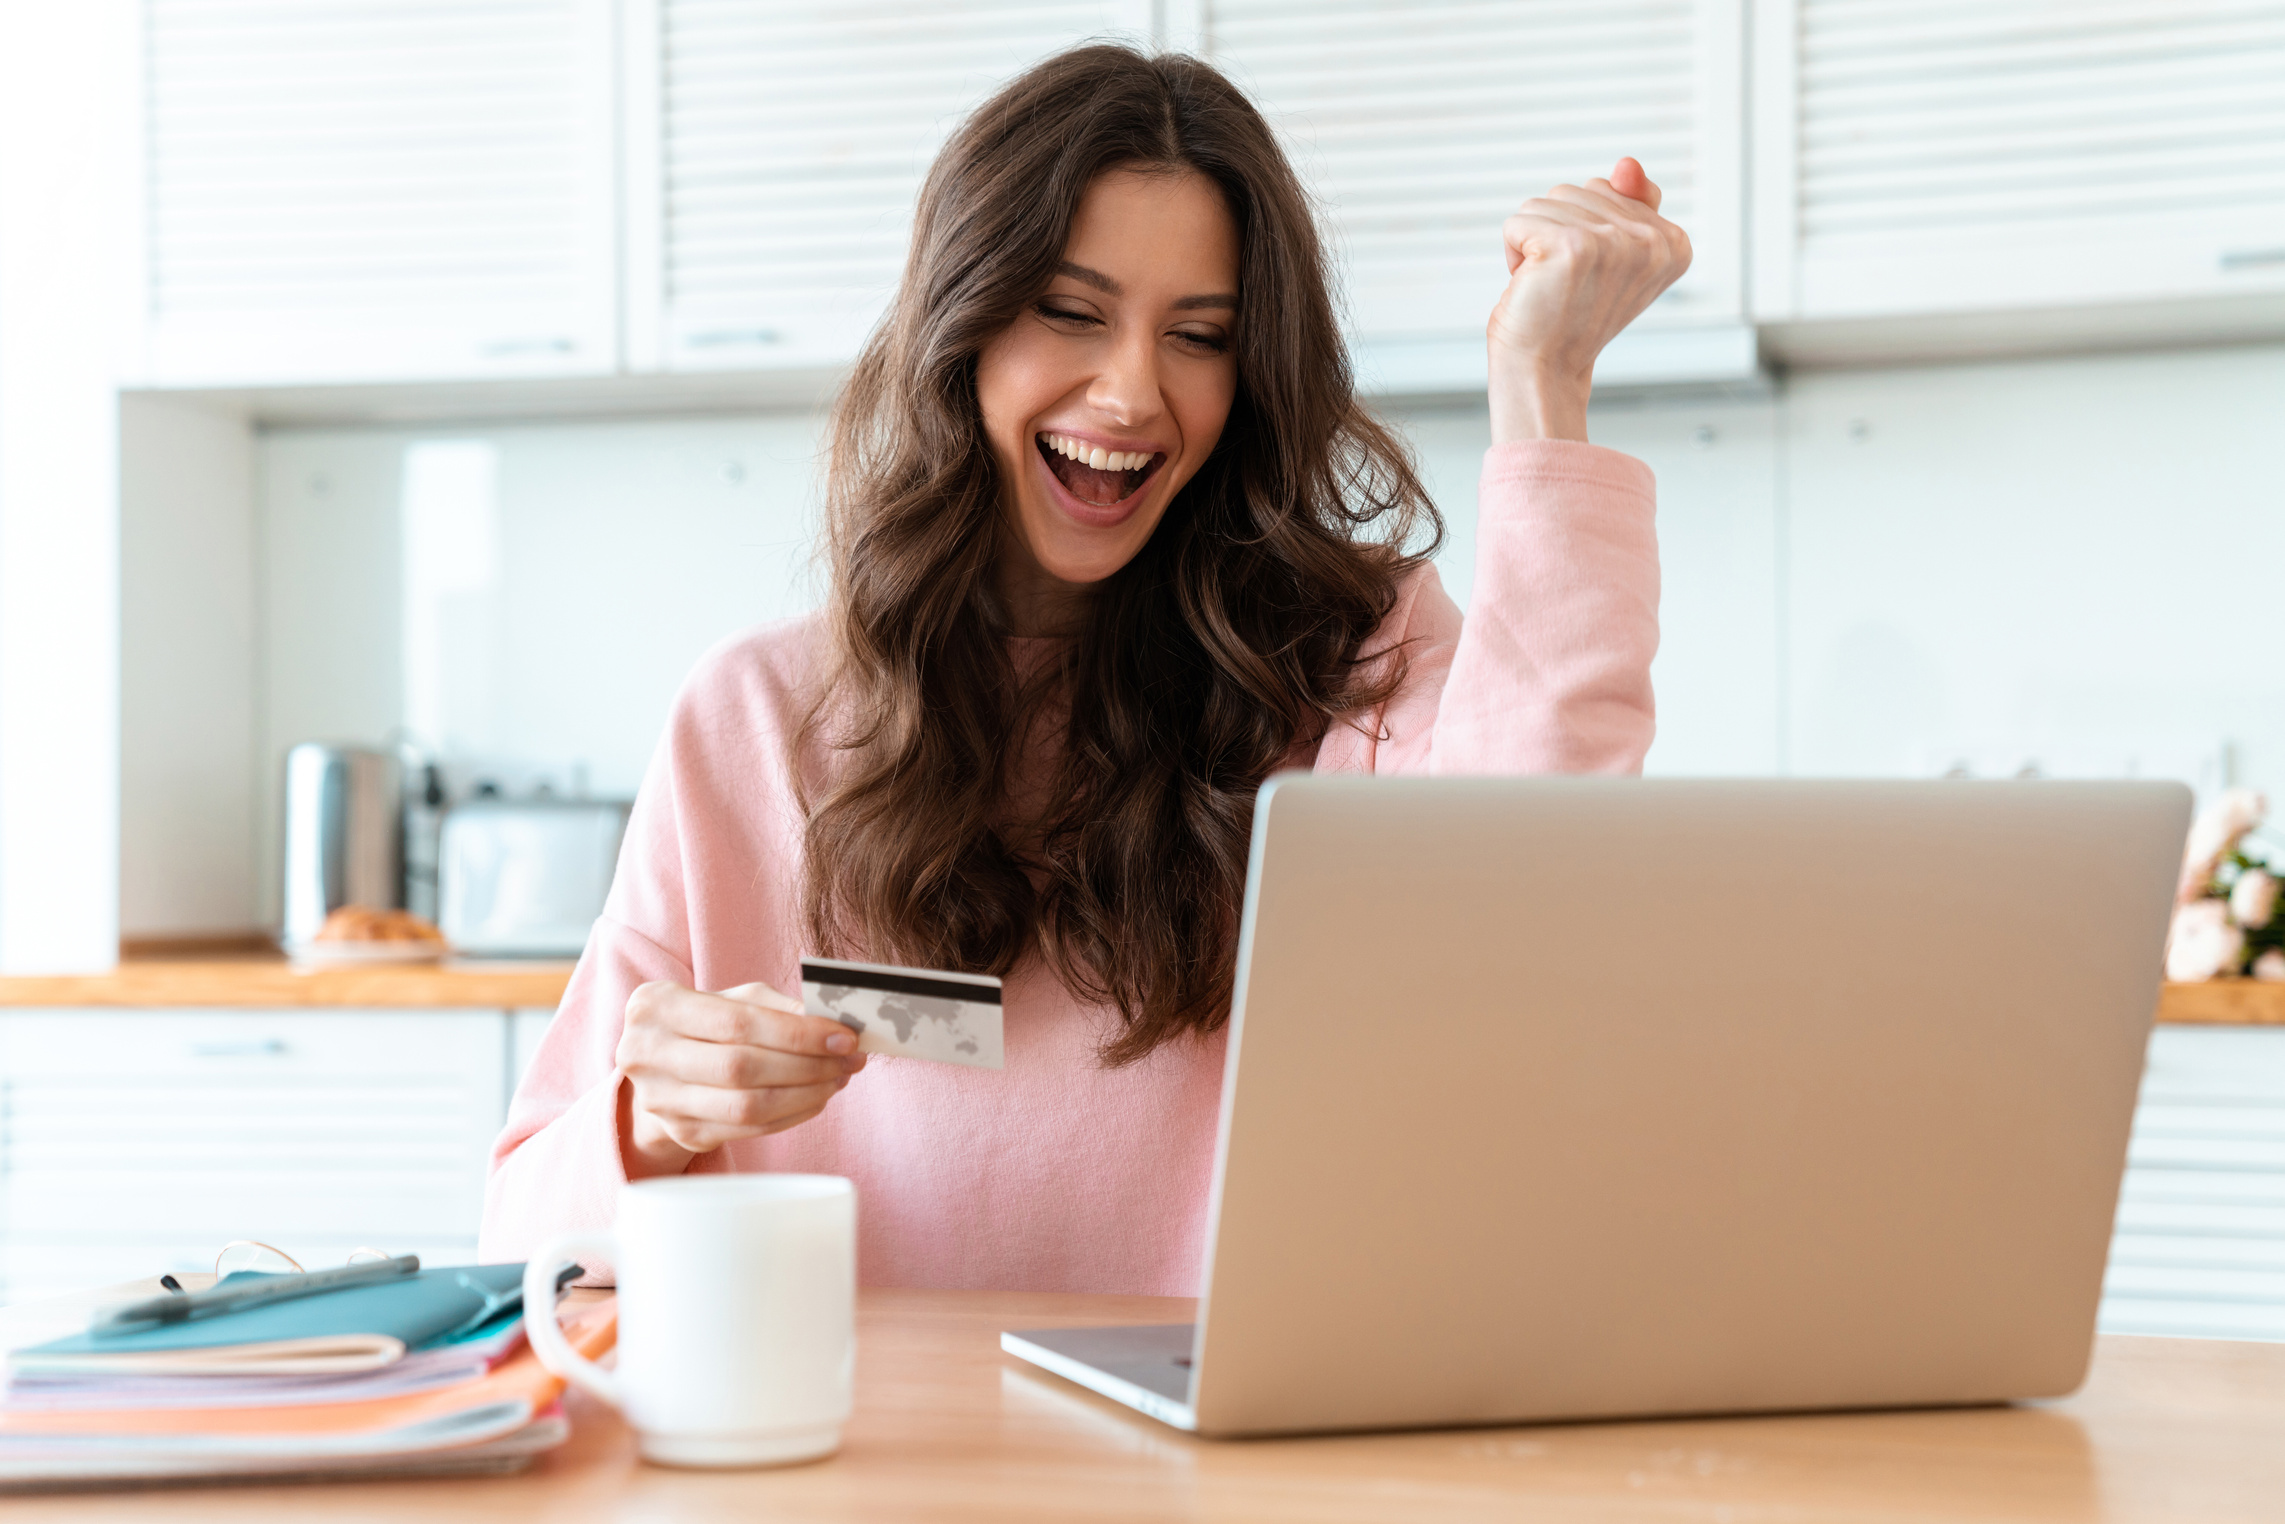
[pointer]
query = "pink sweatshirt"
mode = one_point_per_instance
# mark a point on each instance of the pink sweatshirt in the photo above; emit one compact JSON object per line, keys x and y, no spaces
{"x":1055,"y":1174}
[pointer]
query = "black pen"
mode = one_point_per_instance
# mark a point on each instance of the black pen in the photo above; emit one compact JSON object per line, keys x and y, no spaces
{"x":220,"y":1298}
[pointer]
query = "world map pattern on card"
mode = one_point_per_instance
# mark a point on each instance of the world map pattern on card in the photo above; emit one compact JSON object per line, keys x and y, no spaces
{"x":914,"y":1013}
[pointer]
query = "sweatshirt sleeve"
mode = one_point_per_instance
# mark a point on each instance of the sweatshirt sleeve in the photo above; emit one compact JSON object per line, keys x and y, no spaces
{"x":1550,"y":670}
{"x":556,"y":1167}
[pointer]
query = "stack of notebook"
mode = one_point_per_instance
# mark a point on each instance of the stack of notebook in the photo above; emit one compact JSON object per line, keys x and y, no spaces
{"x":422,"y":1373}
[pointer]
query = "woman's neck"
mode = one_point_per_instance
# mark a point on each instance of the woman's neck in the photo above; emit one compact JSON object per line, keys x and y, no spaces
{"x":1036,"y":602}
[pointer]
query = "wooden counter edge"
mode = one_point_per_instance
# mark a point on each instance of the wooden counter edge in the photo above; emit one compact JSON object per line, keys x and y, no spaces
{"x":2224,"y":1002}
{"x":256,"y":981}
{"x":271,"y":982}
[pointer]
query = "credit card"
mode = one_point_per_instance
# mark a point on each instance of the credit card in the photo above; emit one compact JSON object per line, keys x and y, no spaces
{"x":911,"y":1012}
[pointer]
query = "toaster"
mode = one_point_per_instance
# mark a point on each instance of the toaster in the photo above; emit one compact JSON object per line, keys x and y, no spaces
{"x":526,"y":878}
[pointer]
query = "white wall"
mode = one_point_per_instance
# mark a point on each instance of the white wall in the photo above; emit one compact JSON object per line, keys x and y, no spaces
{"x":60,"y":137}
{"x":2077,"y":555}
{"x":187,"y":671}
{"x":2059,"y":562}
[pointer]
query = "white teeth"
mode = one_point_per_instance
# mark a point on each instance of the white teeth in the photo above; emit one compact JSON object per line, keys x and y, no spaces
{"x":1094,"y":455}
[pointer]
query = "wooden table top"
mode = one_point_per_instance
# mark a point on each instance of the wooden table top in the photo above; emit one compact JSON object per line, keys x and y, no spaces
{"x":949,"y":1428}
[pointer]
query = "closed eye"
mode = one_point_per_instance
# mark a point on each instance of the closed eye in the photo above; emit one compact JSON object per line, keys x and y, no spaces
{"x":1190,"y":339}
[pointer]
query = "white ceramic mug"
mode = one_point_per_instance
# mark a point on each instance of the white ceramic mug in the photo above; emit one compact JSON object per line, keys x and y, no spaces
{"x":737,"y":1316}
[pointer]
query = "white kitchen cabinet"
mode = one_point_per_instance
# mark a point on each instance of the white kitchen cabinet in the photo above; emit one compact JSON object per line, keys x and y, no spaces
{"x":336,"y":190}
{"x":2200,"y":1244}
{"x":333,"y":191}
{"x":135,"y":1141}
{"x":774,"y":151}
{"x":1422,"y":126}
{"x":1916,"y":161}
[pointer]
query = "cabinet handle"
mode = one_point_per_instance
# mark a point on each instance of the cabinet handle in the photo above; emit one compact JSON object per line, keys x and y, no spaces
{"x":722,"y":338}
{"x":252,"y":1047}
{"x":503,"y":348}
{"x":2252,"y":259}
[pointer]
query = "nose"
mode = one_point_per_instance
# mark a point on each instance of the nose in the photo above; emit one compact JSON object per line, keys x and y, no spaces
{"x":1126,"y":388}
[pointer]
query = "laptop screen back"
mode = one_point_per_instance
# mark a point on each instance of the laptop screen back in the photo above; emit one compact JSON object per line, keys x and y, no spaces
{"x":1557,"y":1098}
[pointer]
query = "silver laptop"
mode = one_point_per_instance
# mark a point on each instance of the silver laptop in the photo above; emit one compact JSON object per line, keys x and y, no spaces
{"x":1578,"y":1098}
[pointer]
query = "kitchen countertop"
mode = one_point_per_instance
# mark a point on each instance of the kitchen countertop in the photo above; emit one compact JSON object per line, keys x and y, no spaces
{"x":253,"y":979}
{"x":269,"y":981}
{"x":2224,"y":1002}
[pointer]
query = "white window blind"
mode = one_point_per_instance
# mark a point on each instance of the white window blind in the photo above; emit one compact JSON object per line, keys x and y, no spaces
{"x":1423,"y":125}
{"x":376,"y":187}
{"x":791,"y":140}
{"x":2032,"y":151}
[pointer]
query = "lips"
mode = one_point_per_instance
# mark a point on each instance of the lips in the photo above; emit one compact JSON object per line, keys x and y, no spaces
{"x":1101,"y":489}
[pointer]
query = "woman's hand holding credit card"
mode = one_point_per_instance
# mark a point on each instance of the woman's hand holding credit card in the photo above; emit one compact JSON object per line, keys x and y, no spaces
{"x":705,"y":1069}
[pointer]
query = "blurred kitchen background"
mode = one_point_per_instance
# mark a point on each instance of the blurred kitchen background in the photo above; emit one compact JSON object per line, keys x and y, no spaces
{"x":449,"y":376}
{"x":460,"y":369}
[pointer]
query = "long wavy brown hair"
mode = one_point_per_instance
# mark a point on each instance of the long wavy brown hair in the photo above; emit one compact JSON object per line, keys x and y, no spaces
{"x":1231,"y":638}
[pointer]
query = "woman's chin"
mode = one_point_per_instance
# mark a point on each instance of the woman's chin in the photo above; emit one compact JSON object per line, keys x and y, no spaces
{"x":1082,"y":560}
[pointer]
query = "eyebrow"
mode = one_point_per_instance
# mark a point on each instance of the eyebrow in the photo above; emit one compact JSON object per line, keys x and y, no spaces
{"x":1217,"y":301}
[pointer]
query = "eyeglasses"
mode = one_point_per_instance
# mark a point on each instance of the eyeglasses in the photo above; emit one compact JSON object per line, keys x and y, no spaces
{"x":245,"y":1254}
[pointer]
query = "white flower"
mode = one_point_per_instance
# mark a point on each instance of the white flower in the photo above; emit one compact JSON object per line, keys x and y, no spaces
{"x":2270,"y":965}
{"x":2218,"y":828}
{"x":2253,"y":899}
{"x":2204,"y":944}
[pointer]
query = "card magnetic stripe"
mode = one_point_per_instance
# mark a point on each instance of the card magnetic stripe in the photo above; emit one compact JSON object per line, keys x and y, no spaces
{"x":899,"y":984}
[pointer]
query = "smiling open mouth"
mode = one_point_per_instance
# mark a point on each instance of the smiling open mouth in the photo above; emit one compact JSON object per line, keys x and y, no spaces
{"x":1097,"y":477}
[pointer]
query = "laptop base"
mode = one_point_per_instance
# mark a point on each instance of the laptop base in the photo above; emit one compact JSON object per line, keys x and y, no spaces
{"x":1146,"y":1366}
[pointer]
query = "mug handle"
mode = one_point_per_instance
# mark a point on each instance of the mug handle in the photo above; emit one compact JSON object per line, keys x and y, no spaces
{"x":547,"y":1340}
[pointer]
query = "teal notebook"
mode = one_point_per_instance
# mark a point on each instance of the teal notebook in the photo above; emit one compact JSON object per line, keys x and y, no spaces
{"x":356,"y":1328}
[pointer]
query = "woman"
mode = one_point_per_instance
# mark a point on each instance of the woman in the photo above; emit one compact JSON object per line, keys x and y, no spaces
{"x":1112,"y":540}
